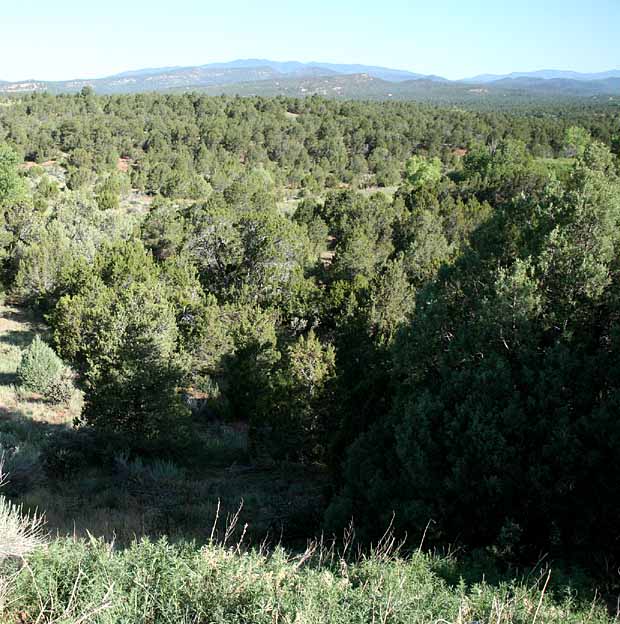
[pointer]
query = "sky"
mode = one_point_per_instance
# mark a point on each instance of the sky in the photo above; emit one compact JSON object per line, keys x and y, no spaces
{"x":67,"y":39}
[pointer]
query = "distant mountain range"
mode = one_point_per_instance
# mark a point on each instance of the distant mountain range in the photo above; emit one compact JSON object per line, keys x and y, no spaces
{"x":545,"y":74}
{"x":287,"y":68}
{"x":265,"y":77}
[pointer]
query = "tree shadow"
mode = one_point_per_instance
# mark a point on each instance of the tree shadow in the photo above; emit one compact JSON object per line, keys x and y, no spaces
{"x":89,"y":482}
{"x":18,"y":315}
{"x":17,"y":338}
{"x":8,"y":379}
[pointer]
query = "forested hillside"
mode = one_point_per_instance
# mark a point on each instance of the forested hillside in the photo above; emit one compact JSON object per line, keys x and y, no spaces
{"x":262,"y":77}
{"x":378,"y":315}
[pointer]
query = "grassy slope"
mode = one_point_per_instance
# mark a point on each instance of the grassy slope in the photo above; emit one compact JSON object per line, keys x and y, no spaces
{"x":129,"y":497}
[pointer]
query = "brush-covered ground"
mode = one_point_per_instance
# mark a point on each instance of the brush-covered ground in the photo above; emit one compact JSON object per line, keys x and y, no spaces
{"x":102,"y":556}
{"x":71,"y":581}
{"x":60,"y":469}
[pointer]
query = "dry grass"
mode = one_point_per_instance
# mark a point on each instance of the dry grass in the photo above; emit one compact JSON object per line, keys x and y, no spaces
{"x":19,"y":533}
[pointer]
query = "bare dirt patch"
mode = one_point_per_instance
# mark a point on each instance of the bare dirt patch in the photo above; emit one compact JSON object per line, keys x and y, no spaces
{"x":31,"y":165}
{"x":124,"y":164}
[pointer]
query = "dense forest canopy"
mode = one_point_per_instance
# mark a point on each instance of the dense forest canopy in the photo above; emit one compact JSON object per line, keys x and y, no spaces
{"x":423,"y":301}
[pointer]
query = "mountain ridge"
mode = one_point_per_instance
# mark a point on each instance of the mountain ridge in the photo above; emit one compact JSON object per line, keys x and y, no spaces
{"x":355,"y":81}
{"x":288,"y":67}
{"x":546,"y":74}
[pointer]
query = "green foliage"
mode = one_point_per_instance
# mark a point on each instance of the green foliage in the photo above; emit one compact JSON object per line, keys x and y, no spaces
{"x":248,"y":366}
{"x":498,"y":175}
{"x":49,"y":266}
{"x":40,"y":368}
{"x":295,"y":422}
{"x":48,"y":189}
{"x":163,"y":230}
{"x":74,"y":578}
{"x":428,"y":248}
{"x":108,"y":192}
{"x":12,"y":187}
{"x":576,"y":140}
{"x":444,"y":348}
{"x":60,"y":391}
{"x":505,"y":385}
{"x":120,"y":331}
{"x":385,"y":167}
{"x":13,"y":197}
{"x":422,"y":173}
{"x":55,"y":251}
{"x":391,"y":301}
{"x":362,"y":228}
{"x":276,"y":251}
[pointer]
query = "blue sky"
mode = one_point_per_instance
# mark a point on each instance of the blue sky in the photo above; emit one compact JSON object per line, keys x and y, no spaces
{"x":454,"y":38}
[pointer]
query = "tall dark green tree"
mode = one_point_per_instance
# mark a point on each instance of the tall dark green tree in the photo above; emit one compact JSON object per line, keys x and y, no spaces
{"x":505,"y":385}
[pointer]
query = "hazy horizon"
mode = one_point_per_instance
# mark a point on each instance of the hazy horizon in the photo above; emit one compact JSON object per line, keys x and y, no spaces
{"x":130,"y":69}
{"x":67,"y":40}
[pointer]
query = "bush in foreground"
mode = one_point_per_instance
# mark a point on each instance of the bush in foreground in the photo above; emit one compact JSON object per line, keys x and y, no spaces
{"x":157,"y":582}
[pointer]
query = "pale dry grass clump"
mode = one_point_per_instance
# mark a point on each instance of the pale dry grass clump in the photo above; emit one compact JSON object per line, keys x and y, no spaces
{"x":20,"y":534}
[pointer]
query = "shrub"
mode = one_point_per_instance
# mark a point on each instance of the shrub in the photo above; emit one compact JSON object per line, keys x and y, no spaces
{"x":61,"y":462}
{"x":160,"y":582}
{"x":39,"y":368}
{"x":21,"y":460}
{"x":156,"y":472}
{"x":61,"y":389}
{"x":70,"y":451}
{"x":293,"y":424}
